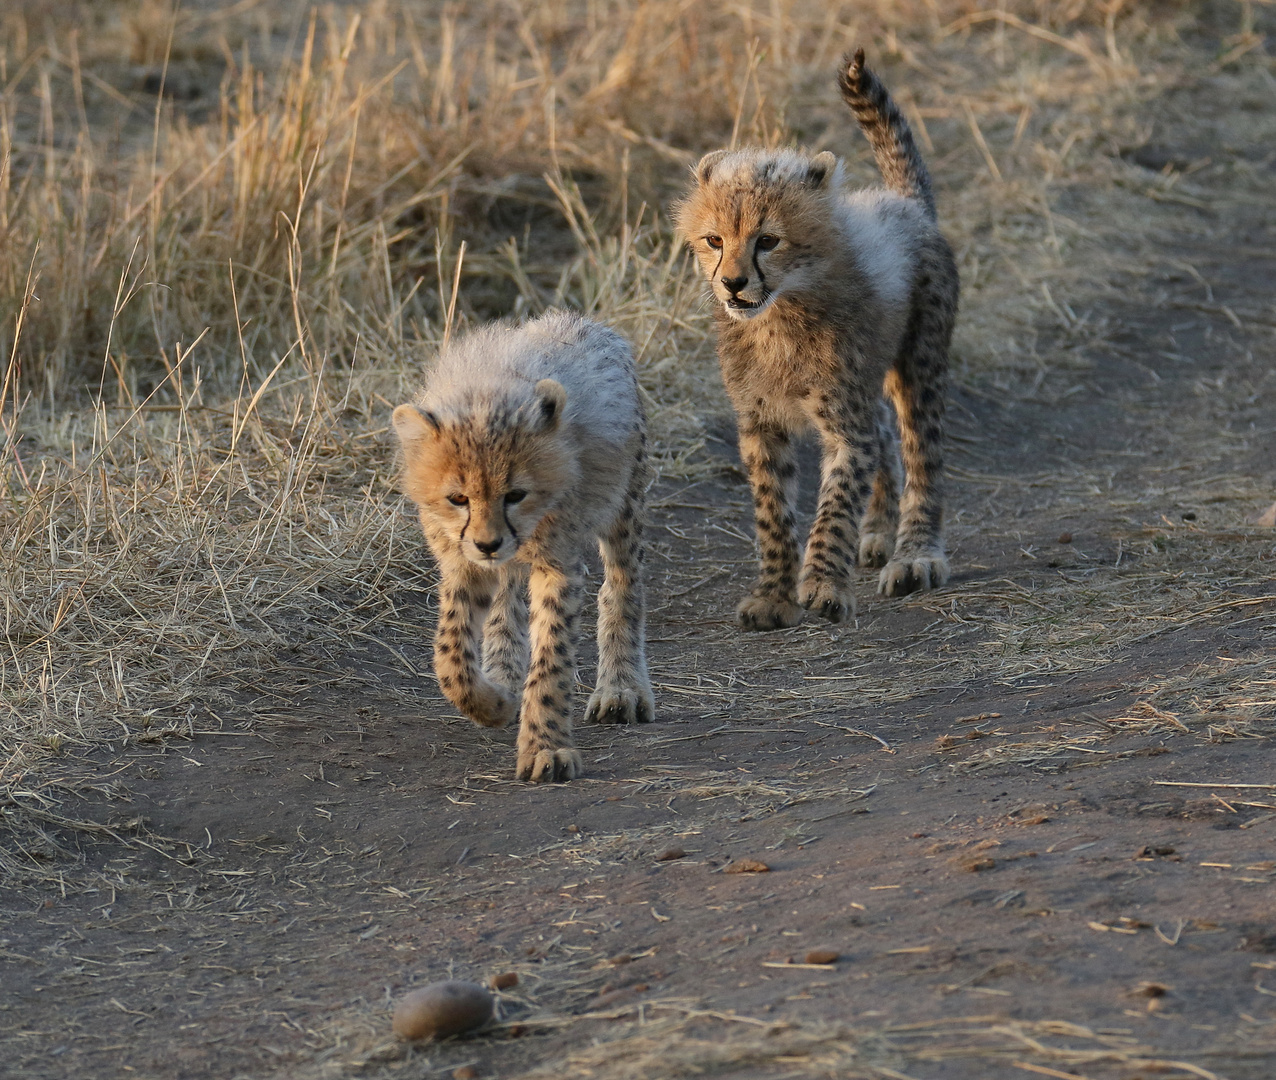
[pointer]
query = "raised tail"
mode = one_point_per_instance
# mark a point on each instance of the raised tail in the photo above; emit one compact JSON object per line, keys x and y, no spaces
{"x":888,"y":133}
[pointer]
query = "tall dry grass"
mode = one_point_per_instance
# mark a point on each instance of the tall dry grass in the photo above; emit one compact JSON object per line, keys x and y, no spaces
{"x":230,"y":236}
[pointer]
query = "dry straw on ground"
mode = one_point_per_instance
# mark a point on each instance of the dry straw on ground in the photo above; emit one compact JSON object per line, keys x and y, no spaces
{"x":229,"y":238}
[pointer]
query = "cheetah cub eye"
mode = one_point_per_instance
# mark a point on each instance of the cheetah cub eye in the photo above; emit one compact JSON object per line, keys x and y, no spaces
{"x":459,"y":500}
{"x":515,"y":496}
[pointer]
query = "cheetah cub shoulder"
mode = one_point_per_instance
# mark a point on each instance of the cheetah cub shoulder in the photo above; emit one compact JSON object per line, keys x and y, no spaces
{"x":525,"y":446}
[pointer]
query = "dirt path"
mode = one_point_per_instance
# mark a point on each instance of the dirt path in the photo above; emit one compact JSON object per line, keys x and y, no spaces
{"x":965,"y":794}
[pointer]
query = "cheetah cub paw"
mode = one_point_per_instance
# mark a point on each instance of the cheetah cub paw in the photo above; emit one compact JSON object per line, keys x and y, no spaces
{"x":492,"y":705}
{"x":542,"y":764}
{"x":909,"y":574}
{"x":833,"y":602}
{"x":615,"y":705}
{"x":767,"y":613}
{"x":876,"y":548}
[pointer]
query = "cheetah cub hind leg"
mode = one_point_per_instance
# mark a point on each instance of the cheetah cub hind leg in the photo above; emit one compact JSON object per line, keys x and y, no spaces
{"x":505,"y":646}
{"x":881,"y":519}
{"x":623,"y":694}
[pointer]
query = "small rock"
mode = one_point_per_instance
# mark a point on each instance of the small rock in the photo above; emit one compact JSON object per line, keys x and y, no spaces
{"x":465,"y":1072}
{"x":1065,"y":538}
{"x":669,"y":854}
{"x":823,"y":956}
{"x":623,"y":958}
{"x":974,"y":864}
{"x":442,"y":1009}
{"x":746,"y":866}
{"x":1190,"y":515}
{"x":1267,"y":518}
{"x":505,"y":980}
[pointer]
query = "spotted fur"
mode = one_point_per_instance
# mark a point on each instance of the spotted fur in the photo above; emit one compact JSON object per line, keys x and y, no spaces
{"x":526,"y":446}
{"x":826,"y":300}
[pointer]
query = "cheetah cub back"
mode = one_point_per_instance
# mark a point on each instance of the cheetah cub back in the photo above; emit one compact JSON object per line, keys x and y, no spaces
{"x":525,"y":446}
{"x":826,"y":300}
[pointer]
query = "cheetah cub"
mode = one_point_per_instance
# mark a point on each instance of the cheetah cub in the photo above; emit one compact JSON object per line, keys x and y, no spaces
{"x":525,"y":446}
{"x":827,"y":300}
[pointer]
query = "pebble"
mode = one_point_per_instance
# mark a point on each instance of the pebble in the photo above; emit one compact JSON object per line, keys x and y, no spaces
{"x":746,"y":866}
{"x":1065,"y":538}
{"x":823,"y":956}
{"x":442,"y":1009}
{"x":669,"y":854}
{"x":505,"y":980}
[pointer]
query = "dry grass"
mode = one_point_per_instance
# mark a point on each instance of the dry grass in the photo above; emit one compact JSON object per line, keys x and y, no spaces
{"x":210,"y":298}
{"x":679,"y":1038}
{"x":687,"y":1045}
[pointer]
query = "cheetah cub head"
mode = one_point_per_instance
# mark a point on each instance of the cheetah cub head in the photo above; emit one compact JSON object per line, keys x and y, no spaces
{"x":761,"y":223}
{"x":484,"y":474}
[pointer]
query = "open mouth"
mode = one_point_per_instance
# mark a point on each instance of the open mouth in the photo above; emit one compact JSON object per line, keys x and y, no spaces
{"x":737,"y":303}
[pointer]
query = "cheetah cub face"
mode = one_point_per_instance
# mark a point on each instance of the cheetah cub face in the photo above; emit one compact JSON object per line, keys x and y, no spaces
{"x":482,"y":488}
{"x":758,"y":224}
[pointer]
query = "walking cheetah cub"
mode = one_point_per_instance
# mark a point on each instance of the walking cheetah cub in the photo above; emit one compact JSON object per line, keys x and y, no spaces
{"x":826,"y":299}
{"x":525,"y":446}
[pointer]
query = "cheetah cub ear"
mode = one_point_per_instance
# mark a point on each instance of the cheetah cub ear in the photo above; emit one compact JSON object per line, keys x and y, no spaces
{"x":414,"y":426}
{"x":704,"y":169}
{"x":550,"y":399}
{"x":821,"y":170}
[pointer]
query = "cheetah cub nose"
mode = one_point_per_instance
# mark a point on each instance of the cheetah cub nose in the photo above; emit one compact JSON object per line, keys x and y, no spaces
{"x":489,"y":547}
{"x":734,"y":284}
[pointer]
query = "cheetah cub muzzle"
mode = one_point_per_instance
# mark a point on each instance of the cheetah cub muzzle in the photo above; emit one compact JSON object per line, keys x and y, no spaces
{"x":834,"y":310}
{"x":525,"y":447}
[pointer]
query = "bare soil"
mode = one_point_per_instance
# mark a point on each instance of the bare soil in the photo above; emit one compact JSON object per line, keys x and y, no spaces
{"x":1008,"y":857}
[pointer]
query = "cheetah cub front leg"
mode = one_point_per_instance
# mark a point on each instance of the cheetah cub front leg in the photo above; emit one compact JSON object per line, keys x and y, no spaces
{"x":545,"y":748}
{"x":771,"y":460}
{"x":464,"y":599}
{"x":849,"y":461}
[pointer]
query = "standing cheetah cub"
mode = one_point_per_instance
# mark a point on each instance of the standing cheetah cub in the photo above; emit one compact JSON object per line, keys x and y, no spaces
{"x":525,"y":446}
{"x":826,"y":299}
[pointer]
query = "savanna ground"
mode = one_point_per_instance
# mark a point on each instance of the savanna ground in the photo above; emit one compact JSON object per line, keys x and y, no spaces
{"x":1034,"y":812}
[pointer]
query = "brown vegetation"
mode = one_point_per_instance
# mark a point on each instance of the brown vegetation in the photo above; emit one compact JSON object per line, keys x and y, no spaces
{"x":229,"y":237}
